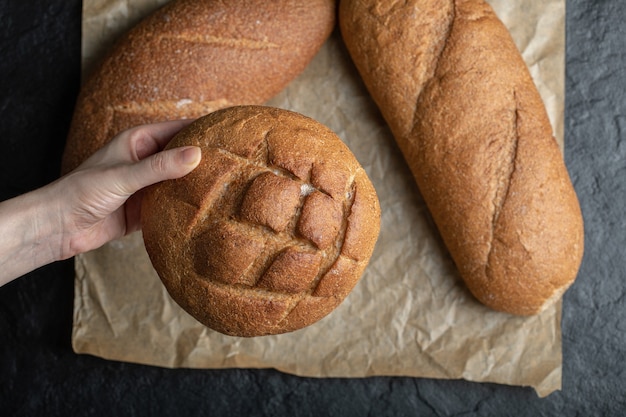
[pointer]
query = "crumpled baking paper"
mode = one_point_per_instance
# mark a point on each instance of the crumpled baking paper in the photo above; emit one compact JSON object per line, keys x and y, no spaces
{"x":410,"y":315}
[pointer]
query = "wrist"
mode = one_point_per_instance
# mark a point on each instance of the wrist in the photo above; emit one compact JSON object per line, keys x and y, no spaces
{"x":30,"y":233}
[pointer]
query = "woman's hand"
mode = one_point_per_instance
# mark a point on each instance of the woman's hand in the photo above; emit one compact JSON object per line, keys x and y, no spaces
{"x":98,"y":202}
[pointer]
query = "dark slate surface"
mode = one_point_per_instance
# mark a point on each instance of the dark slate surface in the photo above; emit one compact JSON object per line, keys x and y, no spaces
{"x":41,"y":376}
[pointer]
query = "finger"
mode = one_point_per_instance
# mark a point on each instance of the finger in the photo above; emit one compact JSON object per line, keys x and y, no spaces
{"x":165,"y":165}
{"x":149,"y":139}
{"x":136,"y":143}
{"x":132,"y":209}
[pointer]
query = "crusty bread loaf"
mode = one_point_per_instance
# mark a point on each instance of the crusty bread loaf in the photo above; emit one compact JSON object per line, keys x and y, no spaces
{"x":271,"y":231}
{"x":469,"y":120}
{"x":191,"y":57}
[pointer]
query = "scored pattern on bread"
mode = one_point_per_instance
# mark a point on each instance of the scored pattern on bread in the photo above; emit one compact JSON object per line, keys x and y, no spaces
{"x":191,"y":57}
{"x":465,"y":112}
{"x":504,"y":172}
{"x":270,"y":214}
{"x":172,"y":108}
{"x":244,"y":43}
{"x":271,"y":231}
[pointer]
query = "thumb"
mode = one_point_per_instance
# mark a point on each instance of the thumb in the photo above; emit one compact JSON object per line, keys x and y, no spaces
{"x":165,"y":165}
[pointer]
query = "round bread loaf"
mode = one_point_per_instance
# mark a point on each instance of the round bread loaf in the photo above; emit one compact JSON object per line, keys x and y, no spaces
{"x":271,"y":231}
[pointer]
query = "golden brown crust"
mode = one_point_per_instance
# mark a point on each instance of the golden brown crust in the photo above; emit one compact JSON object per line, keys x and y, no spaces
{"x":261,"y":248}
{"x":192,"y":57}
{"x":474,"y":131}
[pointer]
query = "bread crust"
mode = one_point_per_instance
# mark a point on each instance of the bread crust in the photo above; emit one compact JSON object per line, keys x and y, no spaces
{"x":469,"y":120}
{"x":191,"y":57}
{"x":273,"y":229}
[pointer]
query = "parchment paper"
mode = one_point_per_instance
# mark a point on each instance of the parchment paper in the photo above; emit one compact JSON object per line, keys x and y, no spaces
{"x":410,"y":315}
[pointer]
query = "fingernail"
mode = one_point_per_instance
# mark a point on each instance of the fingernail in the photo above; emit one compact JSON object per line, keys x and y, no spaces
{"x":190,"y":155}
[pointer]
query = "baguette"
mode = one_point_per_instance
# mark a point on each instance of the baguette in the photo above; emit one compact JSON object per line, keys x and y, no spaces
{"x":464,"y":110}
{"x":192,"y":57}
{"x":271,"y":231}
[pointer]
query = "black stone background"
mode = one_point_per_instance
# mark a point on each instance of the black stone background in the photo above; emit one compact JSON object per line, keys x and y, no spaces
{"x":41,"y":376}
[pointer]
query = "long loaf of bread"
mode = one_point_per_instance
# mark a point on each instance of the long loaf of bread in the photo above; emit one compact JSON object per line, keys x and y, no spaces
{"x":192,"y":57}
{"x":469,"y":120}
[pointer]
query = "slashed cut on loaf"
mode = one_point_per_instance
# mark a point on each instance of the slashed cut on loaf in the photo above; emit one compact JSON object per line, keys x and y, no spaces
{"x":272,"y":230}
{"x":191,"y":57}
{"x":471,"y":124}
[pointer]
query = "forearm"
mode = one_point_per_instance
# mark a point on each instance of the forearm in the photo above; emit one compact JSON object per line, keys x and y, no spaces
{"x":29,"y":233}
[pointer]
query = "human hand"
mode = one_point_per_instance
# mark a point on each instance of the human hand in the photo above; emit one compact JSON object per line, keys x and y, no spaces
{"x":103,"y":195}
{"x":98,"y":202}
